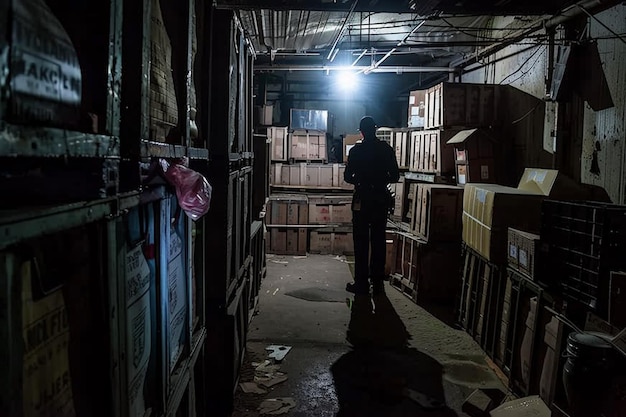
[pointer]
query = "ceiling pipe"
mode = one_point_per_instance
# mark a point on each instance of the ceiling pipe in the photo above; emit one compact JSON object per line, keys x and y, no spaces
{"x":395,"y":69}
{"x":359,"y":57}
{"x":565,"y":15}
{"x":401,"y":43}
{"x":342,"y":30}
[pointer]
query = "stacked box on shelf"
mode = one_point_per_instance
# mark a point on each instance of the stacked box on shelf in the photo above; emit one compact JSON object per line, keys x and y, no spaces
{"x":437,"y":212}
{"x":398,"y":189}
{"x":309,"y":175}
{"x":522,"y":250}
{"x":581,"y":244}
{"x":431,"y":154}
{"x":478,"y":157}
{"x":335,"y":211}
{"x":285,"y":214}
{"x":463,"y":105}
{"x":279,"y":145}
{"x":385,"y":134}
{"x":426,"y":272}
{"x":417,"y":107}
{"x":490,"y":209}
{"x":335,"y":241}
{"x":402,"y":147}
{"x":308,"y":145}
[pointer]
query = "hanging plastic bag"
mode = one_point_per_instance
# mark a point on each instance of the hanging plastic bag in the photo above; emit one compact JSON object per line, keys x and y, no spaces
{"x":192,"y":188}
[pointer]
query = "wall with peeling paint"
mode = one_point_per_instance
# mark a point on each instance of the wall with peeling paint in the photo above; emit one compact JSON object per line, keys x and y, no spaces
{"x":603,"y":159}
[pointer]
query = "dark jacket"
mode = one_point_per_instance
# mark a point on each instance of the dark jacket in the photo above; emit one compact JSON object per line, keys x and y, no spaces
{"x":371,"y":167}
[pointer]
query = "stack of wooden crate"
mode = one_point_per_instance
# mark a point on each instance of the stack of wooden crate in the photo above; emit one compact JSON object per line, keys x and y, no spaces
{"x":301,"y":223}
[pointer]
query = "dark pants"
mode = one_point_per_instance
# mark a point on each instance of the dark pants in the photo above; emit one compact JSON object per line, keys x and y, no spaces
{"x":369,"y":225}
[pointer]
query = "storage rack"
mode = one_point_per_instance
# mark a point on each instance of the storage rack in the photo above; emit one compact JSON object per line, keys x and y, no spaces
{"x":94,"y":191}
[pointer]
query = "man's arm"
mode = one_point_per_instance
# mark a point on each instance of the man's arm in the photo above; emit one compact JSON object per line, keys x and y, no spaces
{"x":349,"y":175}
{"x":392,"y":166}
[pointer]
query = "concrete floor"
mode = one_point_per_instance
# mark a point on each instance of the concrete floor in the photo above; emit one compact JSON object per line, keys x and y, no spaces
{"x":358,"y":356}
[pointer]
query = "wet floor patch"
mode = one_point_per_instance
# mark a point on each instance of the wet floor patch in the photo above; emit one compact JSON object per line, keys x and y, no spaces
{"x":469,"y":374}
{"x":319,"y":294}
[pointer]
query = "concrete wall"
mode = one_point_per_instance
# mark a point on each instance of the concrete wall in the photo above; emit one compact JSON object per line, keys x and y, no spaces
{"x":604,"y":131}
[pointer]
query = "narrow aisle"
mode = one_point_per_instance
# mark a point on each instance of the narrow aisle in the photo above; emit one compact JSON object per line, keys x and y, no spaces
{"x":363,"y":356}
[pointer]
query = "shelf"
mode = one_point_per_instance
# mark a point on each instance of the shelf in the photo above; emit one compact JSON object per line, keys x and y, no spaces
{"x":182,"y":375}
{"x":315,"y":189}
{"x":22,"y":224}
{"x":166,"y":150}
{"x":427,"y":177}
{"x":25,"y":141}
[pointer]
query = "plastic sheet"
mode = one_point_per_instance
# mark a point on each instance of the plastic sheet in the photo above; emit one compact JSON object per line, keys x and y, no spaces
{"x":192,"y":188}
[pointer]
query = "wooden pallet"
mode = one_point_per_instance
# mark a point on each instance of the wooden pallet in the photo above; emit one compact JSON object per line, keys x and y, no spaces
{"x":403,"y":285}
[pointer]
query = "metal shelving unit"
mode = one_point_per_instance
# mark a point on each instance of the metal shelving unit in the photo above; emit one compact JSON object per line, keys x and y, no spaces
{"x":133,"y":221}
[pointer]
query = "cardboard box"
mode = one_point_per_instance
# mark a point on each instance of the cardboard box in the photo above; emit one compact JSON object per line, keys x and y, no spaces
{"x":522,"y":250}
{"x":348,"y":143}
{"x":437,"y":213}
{"x":330,"y":210}
{"x":489,"y":210}
{"x":417,"y":108}
{"x":308,"y":145}
{"x":278,"y":138}
{"x":332,"y":241}
{"x":390,"y":252}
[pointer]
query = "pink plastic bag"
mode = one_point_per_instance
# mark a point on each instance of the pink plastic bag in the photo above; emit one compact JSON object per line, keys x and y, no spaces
{"x":192,"y":189}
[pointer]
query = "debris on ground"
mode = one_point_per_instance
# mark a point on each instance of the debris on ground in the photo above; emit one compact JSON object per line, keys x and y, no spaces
{"x":278,"y":352}
{"x":252,"y":388}
{"x":482,"y":401}
{"x":532,"y":406}
{"x":279,"y":262}
{"x":270,"y":380}
{"x":277,"y":406}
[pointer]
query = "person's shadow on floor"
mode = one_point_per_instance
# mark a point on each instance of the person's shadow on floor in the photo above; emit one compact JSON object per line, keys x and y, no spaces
{"x":382,"y":376}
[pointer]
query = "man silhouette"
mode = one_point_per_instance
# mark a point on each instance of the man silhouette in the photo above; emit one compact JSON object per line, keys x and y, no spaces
{"x":371,"y":167}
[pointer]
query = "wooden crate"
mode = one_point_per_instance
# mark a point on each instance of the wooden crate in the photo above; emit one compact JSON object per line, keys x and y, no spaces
{"x":481,"y":301}
{"x":279,"y":143}
{"x":479,"y":157}
{"x":332,"y":241}
{"x":309,"y":175}
{"x":437,"y":212}
{"x":330,"y":210}
{"x":308,"y":145}
{"x":285,"y":214}
{"x":402,"y":147}
{"x":462,"y":105}
{"x":430,"y":153}
{"x":398,"y":190}
{"x":428,"y":272}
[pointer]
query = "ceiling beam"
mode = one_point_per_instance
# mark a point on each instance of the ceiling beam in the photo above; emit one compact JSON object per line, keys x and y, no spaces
{"x":317,"y":5}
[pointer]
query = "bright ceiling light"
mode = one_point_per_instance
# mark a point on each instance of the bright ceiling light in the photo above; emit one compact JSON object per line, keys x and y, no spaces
{"x":347,"y":80}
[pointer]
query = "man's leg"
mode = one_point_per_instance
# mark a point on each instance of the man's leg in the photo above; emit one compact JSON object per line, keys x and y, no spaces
{"x":360,"y":236}
{"x":379,"y":252}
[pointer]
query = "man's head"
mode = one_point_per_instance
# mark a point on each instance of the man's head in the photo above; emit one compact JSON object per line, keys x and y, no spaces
{"x":367,"y":126}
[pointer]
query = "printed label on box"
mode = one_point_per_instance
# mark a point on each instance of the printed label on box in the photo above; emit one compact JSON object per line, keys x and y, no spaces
{"x":484,"y":172}
{"x":513,"y":251}
{"x":481,"y":195}
{"x":523,"y":258}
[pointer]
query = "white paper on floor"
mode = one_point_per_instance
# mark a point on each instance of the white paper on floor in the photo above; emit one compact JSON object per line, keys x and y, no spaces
{"x":270,"y":380}
{"x":277,"y":406}
{"x":532,"y":406}
{"x":252,"y":388}
{"x":278,"y":352}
